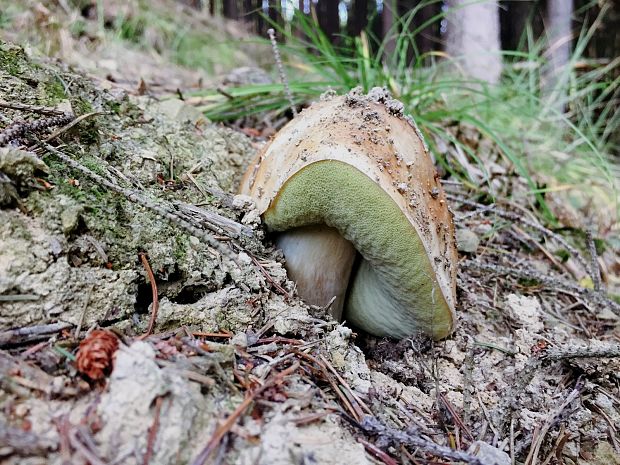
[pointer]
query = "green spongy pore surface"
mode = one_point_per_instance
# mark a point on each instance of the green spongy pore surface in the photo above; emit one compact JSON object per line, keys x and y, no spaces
{"x":395,"y":293}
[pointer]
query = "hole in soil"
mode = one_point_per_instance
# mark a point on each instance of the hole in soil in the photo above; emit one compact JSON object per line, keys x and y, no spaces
{"x":192,"y":294}
{"x":144,"y":297}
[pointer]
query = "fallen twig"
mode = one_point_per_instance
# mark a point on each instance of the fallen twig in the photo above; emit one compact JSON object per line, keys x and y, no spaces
{"x":33,"y":108}
{"x":135,"y":197}
{"x":372,"y":425}
{"x":378,"y":453}
{"x":22,"y":128}
{"x":596,"y":349}
{"x":155,"y":305}
{"x":153,"y":431}
{"x":595,"y":270}
{"x":29,"y":333}
{"x":345,"y":385}
{"x":455,"y":416}
{"x":532,"y":457}
{"x":519,"y":219}
{"x":72,"y":123}
{"x":546,"y":280}
{"x":268,"y":277}
{"x":76,"y":434}
{"x":352,"y":407}
{"x":223,"y":429}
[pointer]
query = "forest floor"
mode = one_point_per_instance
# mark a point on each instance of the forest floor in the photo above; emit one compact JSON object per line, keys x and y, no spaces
{"x":146,"y":318}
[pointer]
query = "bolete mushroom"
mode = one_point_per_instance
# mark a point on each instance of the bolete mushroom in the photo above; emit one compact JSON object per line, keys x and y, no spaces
{"x":350,"y":190}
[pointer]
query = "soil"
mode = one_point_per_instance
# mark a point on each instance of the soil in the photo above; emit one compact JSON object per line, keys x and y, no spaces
{"x":237,"y":369}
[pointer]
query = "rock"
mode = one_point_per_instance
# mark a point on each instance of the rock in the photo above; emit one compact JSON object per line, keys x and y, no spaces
{"x":127,"y":408}
{"x":180,"y":111}
{"x":467,"y":241}
{"x":246,"y":75}
{"x":282,"y":442}
{"x":488,"y":454}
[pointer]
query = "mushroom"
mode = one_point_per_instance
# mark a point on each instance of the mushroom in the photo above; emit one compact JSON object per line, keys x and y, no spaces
{"x":351,"y":193}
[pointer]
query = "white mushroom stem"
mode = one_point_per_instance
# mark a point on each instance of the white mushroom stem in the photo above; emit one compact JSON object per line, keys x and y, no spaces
{"x":320,"y":261}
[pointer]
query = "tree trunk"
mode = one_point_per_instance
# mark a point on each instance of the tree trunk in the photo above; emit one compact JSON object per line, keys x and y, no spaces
{"x":249,"y":16}
{"x":275,"y":13}
{"x":473,"y":38}
{"x":389,"y":30}
{"x":358,"y":17}
{"x":329,"y":20}
{"x":514,"y":16}
{"x":231,"y":9}
{"x":428,"y":38}
{"x":559,"y":36}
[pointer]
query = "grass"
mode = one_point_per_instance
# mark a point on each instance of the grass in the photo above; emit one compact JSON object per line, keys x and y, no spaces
{"x":572,"y":148}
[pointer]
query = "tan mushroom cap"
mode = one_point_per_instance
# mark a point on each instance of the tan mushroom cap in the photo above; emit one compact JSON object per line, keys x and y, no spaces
{"x":364,"y":147}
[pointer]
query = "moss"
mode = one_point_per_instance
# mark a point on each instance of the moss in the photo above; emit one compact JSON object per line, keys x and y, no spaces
{"x":114,"y":106}
{"x":52,"y":91}
{"x":81,"y":106}
{"x":180,"y":251}
{"x":13,"y":60}
{"x":94,"y":165}
{"x":88,"y":130}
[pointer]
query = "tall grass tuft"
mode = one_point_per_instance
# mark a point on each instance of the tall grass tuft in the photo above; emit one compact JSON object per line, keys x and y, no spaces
{"x":527,"y":131}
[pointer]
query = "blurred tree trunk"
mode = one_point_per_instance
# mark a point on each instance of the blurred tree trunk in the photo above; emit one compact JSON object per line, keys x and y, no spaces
{"x":513,"y":17}
{"x":473,"y":38}
{"x":390,"y":31}
{"x":275,"y":13}
{"x":428,"y":38}
{"x":559,"y":37}
{"x":329,"y":20}
{"x":250,"y":16}
{"x":301,"y":10}
{"x":358,"y":17}
{"x":230,"y":9}
{"x":197,"y":4}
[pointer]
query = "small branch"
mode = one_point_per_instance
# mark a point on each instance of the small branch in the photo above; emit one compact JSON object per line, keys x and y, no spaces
{"x":155,"y":305}
{"x":22,"y":128}
{"x":153,"y":431}
{"x":72,"y":123}
{"x":221,"y":431}
{"x":502,"y":413}
{"x":519,"y":219}
{"x":546,"y":280}
{"x":283,"y":79}
{"x":372,"y":425}
{"x":135,"y":197}
{"x":80,"y":445}
{"x":595,"y":270}
{"x":378,"y":453}
{"x":532,"y":457}
{"x":33,"y":108}
{"x":23,"y":335}
{"x":595,"y":349}
{"x":268,"y":277}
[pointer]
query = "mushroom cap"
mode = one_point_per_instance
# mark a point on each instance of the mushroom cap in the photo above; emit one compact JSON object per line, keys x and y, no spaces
{"x":356,"y":164}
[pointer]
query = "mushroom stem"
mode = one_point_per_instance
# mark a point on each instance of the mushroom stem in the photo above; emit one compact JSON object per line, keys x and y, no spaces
{"x":320,"y":261}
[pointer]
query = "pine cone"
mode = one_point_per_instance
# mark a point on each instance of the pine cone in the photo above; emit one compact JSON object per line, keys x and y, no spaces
{"x":95,"y":355}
